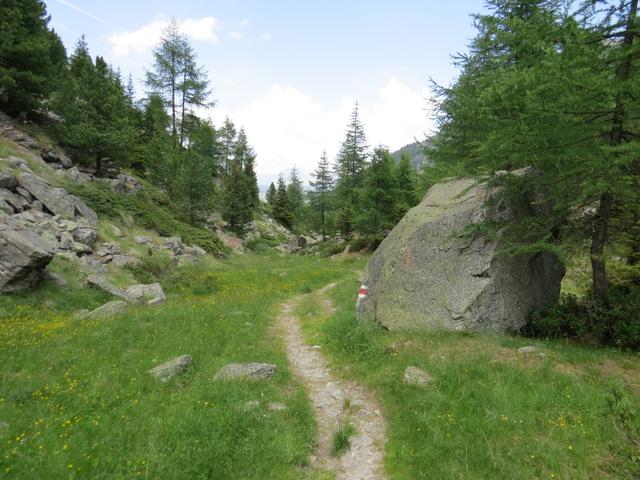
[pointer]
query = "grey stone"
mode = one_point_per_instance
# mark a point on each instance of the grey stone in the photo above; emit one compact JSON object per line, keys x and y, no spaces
{"x":85,"y":235}
{"x":125,"y":184}
{"x":170,"y":369}
{"x":250,"y":371}
{"x":108,"y":249}
{"x":146,"y":293}
{"x":297,"y":243}
{"x":142,"y":240}
{"x":156,"y":301}
{"x":101,"y":282}
{"x":24,"y":194}
{"x":416,"y":376}
{"x":8,"y":180}
{"x":55,"y":157}
{"x":110,"y":309}
{"x":527,"y":349}
{"x":57,"y":200}
{"x":37,"y":205}
{"x":16,"y":202}
{"x":427,"y":275}
{"x":5,"y":208}
{"x":276,"y":407}
{"x":124,"y":260}
{"x":23,"y":255}
{"x":174,"y":244}
{"x":251,"y":405}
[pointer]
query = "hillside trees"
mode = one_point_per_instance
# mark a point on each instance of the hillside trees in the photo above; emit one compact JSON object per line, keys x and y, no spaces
{"x":177,"y":79}
{"x":554,"y":89}
{"x":282,"y":211}
{"x":378,"y":195}
{"x":31,"y":55}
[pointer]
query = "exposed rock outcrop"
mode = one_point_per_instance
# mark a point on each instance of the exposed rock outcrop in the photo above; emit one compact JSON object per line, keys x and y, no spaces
{"x":164,"y":372}
{"x":427,"y":275}
{"x":247,"y":371}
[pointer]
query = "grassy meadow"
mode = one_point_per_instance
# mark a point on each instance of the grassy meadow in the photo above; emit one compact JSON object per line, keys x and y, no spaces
{"x":564,"y":412}
{"x":76,"y":400}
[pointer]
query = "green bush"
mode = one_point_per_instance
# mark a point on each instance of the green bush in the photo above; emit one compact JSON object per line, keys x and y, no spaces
{"x":152,"y":268}
{"x":615,"y":322}
{"x":151,"y":208}
{"x":329,"y":248}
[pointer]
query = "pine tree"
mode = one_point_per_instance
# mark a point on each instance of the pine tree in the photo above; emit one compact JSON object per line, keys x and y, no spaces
{"x":271,"y":196}
{"x":350,"y":167}
{"x":295,"y":194}
{"x":406,"y":193}
{"x":378,"y":195}
{"x":31,"y":56}
{"x":228,"y":138}
{"x":320,"y":197}
{"x":236,"y":209}
{"x":282,"y":208}
{"x":247,"y":157}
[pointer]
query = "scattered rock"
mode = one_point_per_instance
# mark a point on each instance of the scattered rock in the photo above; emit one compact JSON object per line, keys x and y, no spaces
{"x":107,"y":310}
{"x":101,"y":282}
{"x":146,"y":293}
{"x":23,"y":255}
{"x":142,"y":240}
{"x":425,"y":274}
{"x":251,"y":371}
{"x":124,"y":260}
{"x":167,"y":370}
{"x":60,"y":158}
{"x":527,"y":349}
{"x":85,"y":235}
{"x":416,"y":376}
{"x":125,"y":184}
{"x":297,"y":243}
{"x":251,"y":405}
{"x":174,"y":244}
{"x":108,"y":250}
{"x":276,"y":407}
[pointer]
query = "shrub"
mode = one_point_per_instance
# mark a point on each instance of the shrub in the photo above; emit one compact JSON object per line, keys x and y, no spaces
{"x":615,"y":322}
{"x":152,"y":268}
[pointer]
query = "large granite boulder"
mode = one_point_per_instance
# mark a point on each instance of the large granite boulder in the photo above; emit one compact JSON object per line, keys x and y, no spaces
{"x":426,"y":275}
{"x":23,"y":255}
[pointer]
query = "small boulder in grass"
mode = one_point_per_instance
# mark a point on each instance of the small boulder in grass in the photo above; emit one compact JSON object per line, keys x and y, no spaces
{"x":417,"y":376}
{"x":246,"y":371}
{"x":170,"y":369}
{"x":527,"y":349}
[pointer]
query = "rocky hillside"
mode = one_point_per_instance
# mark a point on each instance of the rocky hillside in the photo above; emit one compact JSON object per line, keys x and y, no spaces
{"x":56,"y":219}
{"x":416,"y":154}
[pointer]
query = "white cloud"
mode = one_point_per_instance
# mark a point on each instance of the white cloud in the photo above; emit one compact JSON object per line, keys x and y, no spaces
{"x":236,"y":35}
{"x":146,"y":37}
{"x":288,"y":127}
{"x":244,"y":23}
{"x":266,"y":37}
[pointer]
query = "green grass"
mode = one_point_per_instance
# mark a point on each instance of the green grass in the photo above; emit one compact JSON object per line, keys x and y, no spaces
{"x":76,"y":401}
{"x":490,"y":412}
{"x":340,"y":442}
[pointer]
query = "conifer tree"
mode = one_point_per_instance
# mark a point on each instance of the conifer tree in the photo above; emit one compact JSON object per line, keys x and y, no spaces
{"x":228,"y":138}
{"x":295,"y":194}
{"x":247,"y":157}
{"x":378,"y":194}
{"x":31,"y":56}
{"x":271,"y":196}
{"x":236,"y":209}
{"x":282,"y":208}
{"x":350,"y":167}
{"x":406,"y":193}
{"x":320,"y":196}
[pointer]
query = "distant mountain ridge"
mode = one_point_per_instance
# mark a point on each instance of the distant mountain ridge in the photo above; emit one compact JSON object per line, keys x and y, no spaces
{"x":416,"y":154}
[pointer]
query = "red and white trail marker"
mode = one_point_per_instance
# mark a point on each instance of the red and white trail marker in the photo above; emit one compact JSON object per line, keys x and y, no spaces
{"x":363,"y":292}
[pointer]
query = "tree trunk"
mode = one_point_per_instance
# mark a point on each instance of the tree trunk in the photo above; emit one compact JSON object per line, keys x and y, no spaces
{"x":184,"y":98}
{"x":601,"y":224}
{"x":98,"y":165}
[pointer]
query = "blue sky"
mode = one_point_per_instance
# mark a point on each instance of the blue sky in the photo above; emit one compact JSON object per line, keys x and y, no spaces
{"x":289,"y":71}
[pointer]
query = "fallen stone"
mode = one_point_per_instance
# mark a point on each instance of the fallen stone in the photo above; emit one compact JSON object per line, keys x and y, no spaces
{"x":276,"y":407}
{"x":85,"y":235}
{"x":108,"y":249}
{"x":146,"y":293}
{"x":416,"y":376}
{"x":16,"y":202}
{"x":427,"y":275}
{"x":54,"y":157}
{"x":527,"y":349}
{"x":297,"y":243}
{"x":101,"y":282}
{"x":142,"y":240}
{"x":124,"y":260}
{"x":5,"y":208}
{"x":249,"y":371}
{"x":170,"y":369}
{"x":23,"y":255}
{"x":107,"y":310}
{"x":174,"y":244}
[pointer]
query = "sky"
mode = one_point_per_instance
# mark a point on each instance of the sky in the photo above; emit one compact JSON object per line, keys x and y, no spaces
{"x":290,"y":71}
